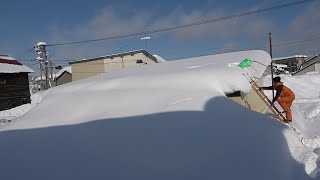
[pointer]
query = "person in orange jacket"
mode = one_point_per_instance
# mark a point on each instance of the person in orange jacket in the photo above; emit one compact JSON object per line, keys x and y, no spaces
{"x":284,"y":96}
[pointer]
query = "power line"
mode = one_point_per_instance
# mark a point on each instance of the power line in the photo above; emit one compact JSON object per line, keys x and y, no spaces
{"x":26,"y":52}
{"x":187,"y":25}
{"x":21,"y":52}
{"x":34,"y":64}
{"x":276,"y":44}
{"x":296,"y":42}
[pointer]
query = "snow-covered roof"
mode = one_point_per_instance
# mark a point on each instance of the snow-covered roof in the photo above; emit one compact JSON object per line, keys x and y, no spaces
{"x":214,"y":73}
{"x":159,"y":58}
{"x":10,"y":65}
{"x":289,"y":57}
{"x":65,"y":69}
{"x":280,"y":65}
{"x":179,"y":116}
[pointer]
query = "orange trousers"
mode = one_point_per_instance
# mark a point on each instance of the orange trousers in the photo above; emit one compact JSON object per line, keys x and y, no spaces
{"x":285,"y":103}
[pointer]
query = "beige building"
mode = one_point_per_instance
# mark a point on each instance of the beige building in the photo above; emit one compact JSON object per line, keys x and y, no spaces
{"x":251,"y":100}
{"x":91,"y":67}
{"x":63,"y":78}
{"x":293,"y":62}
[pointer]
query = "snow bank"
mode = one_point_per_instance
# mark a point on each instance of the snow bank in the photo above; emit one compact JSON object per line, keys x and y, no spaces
{"x":162,"y":121}
{"x":14,"y":113}
{"x":207,"y":144}
{"x":306,"y":118}
{"x":154,"y":87}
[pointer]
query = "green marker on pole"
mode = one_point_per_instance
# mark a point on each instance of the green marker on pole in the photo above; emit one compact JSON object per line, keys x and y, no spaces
{"x":245,"y":63}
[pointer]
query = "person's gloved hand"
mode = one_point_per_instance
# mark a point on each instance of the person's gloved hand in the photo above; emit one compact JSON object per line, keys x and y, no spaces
{"x":260,"y":88}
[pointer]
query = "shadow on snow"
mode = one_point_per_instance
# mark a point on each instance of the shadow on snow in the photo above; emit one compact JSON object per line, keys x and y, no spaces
{"x":209,"y":144}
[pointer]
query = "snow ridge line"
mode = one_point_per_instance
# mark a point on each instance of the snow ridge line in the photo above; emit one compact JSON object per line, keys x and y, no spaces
{"x":177,"y":102}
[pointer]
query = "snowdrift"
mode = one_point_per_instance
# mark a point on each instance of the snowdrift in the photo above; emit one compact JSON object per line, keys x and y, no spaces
{"x":163,"y":121}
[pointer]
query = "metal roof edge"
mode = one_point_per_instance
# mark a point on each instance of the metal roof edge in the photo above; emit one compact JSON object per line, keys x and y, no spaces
{"x":116,"y":55}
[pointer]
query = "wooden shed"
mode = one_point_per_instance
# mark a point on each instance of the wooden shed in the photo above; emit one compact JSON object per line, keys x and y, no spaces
{"x":14,"y":83}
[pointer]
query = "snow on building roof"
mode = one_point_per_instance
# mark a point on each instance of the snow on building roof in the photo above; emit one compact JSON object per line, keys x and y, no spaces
{"x":280,"y":65}
{"x":65,"y":69}
{"x":159,"y":58}
{"x":211,"y":72}
{"x":179,"y":116}
{"x":289,"y":57}
{"x":10,"y":65}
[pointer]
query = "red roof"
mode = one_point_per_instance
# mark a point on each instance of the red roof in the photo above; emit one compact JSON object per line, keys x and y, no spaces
{"x":10,"y":65}
{"x":6,"y":61}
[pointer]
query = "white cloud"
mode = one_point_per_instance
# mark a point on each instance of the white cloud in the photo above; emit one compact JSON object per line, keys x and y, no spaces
{"x":307,"y":22}
{"x":108,"y":23}
{"x":260,"y":26}
{"x":305,"y":25}
{"x":254,"y":29}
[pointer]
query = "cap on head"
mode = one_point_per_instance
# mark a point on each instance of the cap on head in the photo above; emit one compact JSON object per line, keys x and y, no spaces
{"x":276,"y":79}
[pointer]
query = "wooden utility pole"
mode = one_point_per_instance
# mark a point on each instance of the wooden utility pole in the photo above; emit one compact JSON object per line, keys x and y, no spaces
{"x":122,"y":57}
{"x":270,"y":44}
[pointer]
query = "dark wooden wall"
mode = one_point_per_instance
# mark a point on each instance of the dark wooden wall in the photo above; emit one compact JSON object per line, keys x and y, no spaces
{"x":14,"y":90}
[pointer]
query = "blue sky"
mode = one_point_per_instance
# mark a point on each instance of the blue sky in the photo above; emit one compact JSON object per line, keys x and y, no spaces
{"x":24,"y":23}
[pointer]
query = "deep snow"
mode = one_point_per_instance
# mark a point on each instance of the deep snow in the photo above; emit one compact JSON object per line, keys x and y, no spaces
{"x":306,"y":118}
{"x":163,"y":121}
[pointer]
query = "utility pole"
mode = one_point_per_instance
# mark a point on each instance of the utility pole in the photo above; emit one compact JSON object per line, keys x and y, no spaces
{"x":122,"y":57}
{"x":51,"y":74}
{"x":41,"y":69}
{"x":40,"y":48}
{"x":270,"y":43}
{"x":46,"y":74}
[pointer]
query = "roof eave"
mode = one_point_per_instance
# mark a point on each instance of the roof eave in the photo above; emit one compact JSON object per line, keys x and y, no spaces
{"x":117,"y":55}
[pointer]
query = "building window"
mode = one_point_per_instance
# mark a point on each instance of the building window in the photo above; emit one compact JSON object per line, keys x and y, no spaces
{"x":234,"y":94}
{"x":139,"y":61}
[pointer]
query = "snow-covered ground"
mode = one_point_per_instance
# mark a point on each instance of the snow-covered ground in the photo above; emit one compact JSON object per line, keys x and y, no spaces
{"x":164,"y":121}
{"x":14,"y":113}
{"x":306,"y":118}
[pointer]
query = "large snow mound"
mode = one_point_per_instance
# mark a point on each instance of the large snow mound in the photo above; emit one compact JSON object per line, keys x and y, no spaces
{"x":177,"y":85}
{"x":163,"y":121}
{"x":306,"y":119}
